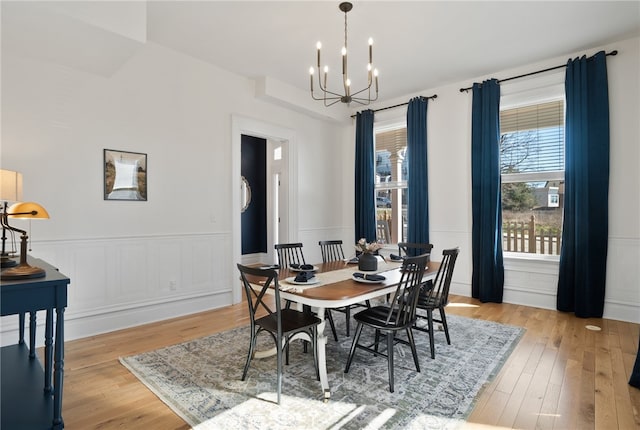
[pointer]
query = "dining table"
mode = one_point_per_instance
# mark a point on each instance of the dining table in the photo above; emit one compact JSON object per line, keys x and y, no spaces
{"x":335,"y":286}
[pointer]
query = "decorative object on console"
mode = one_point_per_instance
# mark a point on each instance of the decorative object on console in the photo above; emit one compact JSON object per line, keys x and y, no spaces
{"x":23,"y":270}
{"x":10,"y":191}
{"x":347,"y":96}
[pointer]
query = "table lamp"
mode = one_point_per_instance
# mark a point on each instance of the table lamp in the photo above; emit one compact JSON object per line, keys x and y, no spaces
{"x":23,"y":270}
{"x":10,"y":191}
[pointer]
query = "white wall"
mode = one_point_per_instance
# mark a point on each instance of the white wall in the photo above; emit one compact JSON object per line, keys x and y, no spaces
{"x":528,"y":282}
{"x":136,"y":262}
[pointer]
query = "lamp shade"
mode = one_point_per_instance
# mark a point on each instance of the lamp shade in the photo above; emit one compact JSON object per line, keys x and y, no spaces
{"x":10,"y":186}
{"x":29,"y":210}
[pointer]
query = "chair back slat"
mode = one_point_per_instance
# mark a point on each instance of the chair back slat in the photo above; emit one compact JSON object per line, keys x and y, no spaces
{"x":402,"y":311}
{"x":331,"y":250}
{"x":439,"y":294}
{"x":289,"y":253}
{"x":256,"y":283}
{"x":410,"y":249}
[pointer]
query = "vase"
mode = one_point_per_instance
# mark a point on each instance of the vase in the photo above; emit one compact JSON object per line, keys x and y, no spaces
{"x":367,"y":262}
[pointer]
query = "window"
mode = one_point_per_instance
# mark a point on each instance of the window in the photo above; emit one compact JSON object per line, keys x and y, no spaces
{"x":532,"y":171}
{"x":391,"y":183}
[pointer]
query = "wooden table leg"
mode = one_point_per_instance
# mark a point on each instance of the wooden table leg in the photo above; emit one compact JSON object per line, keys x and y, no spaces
{"x":48,"y":350}
{"x":58,"y":370}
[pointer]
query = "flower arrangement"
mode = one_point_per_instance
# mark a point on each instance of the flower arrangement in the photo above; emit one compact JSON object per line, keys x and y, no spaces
{"x":367,"y":248}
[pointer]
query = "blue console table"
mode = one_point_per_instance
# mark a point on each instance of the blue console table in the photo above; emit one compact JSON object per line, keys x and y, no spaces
{"x":29,"y":399}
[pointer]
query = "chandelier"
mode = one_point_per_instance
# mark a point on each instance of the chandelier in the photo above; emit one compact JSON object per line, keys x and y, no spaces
{"x":347,"y":96}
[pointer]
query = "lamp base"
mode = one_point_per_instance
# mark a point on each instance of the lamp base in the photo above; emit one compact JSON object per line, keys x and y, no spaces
{"x":6,"y":261}
{"x":22,"y":271}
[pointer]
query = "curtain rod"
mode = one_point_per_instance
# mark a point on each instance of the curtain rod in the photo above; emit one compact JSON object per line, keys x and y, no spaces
{"x":435,"y":96}
{"x":463,"y":90}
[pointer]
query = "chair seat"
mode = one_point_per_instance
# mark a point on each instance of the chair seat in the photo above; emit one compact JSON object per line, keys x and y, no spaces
{"x":430,"y":302}
{"x":292,"y":320}
{"x":377,"y":317}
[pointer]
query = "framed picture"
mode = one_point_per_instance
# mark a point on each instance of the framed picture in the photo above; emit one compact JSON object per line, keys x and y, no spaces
{"x":125,"y":175}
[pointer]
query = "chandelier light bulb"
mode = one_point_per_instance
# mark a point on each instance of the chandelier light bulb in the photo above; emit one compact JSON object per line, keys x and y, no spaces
{"x":368,"y":67}
{"x":370,"y":41}
{"x":348,"y":82}
{"x":326,"y":69}
{"x":344,"y":51}
{"x":375,"y":72}
{"x":319,"y":45}
{"x":311,"y":71}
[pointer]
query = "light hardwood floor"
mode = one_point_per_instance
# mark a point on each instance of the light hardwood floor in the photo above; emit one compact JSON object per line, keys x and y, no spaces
{"x":560,"y":376}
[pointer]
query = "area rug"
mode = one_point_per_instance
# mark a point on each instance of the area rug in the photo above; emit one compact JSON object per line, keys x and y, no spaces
{"x":200,"y":380}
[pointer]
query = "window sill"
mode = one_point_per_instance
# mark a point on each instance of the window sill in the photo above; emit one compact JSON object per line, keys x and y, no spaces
{"x":537,"y":263}
{"x":523,"y":256}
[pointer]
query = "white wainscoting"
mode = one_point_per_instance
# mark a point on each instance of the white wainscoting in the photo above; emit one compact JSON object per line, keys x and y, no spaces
{"x":534,"y":282}
{"x":118,"y":283}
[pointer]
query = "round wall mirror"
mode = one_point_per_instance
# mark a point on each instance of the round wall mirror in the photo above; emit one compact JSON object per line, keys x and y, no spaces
{"x":245,"y":194}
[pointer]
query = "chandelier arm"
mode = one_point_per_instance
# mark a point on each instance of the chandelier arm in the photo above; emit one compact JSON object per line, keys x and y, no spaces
{"x":325,"y":98}
{"x":324,"y":90}
{"x":317,"y":98}
{"x":368,"y":98}
{"x":362,"y":90}
{"x":359,"y":102}
{"x":330,"y":104}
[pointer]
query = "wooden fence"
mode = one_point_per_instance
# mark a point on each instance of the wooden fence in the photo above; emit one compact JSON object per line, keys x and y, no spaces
{"x":520,"y":236}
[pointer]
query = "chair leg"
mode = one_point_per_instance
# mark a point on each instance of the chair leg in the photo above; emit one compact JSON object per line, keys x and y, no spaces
{"x":347,"y":312}
{"x":356,"y":337}
{"x":430,"y":319}
{"x":329,"y":317}
{"x":279,"y":366}
{"x":286,"y":348}
{"x":252,"y":345}
{"x":412,"y":344}
{"x":306,"y":309}
{"x":444,"y":325}
{"x":390,"y":338}
{"x":376,"y":342}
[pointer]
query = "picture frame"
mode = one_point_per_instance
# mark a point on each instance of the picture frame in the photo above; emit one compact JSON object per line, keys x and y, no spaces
{"x":125,"y":175}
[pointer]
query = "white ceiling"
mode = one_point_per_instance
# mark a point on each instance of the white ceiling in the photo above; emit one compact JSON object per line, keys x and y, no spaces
{"x":418,"y":44}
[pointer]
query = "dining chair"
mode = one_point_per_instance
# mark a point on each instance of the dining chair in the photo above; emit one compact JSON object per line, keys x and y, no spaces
{"x":280,"y":323}
{"x":331,"y":250}
{"x":388,"y":320}
{"x":436,"y":296}
{"x":291,"y":253}
{"x":409,"y":249}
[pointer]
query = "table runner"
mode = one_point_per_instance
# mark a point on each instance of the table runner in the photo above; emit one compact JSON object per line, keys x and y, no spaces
{"x":337,"y":276}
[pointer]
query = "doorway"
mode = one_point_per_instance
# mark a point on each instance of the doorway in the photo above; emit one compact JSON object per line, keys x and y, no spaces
{"x":281,"y":189}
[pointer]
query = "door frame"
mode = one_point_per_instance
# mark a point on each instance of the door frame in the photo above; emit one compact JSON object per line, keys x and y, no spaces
{"x":243,"y":125}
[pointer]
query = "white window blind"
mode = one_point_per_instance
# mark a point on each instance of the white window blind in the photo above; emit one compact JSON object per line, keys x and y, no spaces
{"x":532,"y":138}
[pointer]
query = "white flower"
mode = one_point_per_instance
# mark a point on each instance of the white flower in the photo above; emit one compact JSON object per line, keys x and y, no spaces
{"x":367,"y":248}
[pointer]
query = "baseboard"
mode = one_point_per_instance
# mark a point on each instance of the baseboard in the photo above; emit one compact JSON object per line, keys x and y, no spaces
{"x":104,"y":321}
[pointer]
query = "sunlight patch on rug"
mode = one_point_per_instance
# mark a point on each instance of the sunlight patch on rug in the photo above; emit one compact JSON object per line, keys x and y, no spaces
{"x":200,"y":381}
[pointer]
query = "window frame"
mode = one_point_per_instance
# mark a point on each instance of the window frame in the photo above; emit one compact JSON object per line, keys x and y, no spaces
{"x":535,"y":90}
{"x":381,"y":127}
